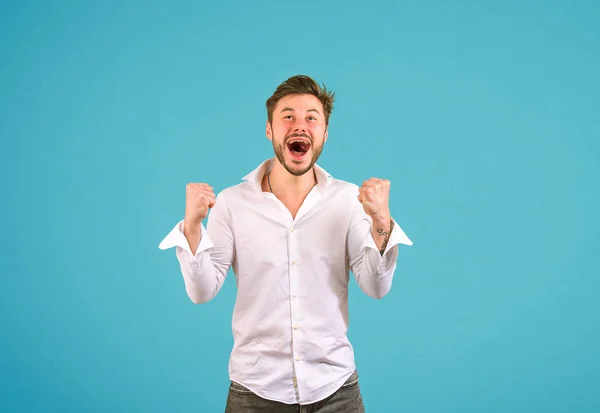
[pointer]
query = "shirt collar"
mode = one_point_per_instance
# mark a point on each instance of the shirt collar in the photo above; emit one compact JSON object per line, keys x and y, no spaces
{"x":255,"y":177}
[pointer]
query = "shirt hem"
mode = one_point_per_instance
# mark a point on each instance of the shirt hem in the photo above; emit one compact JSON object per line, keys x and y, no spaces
{"x":335,"y":386}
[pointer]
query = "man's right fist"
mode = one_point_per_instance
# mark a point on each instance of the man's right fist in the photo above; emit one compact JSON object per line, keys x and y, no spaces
{"x":198,"y":199}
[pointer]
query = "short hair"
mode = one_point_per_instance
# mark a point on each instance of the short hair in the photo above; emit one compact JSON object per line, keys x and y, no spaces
{"x":302,"y":85}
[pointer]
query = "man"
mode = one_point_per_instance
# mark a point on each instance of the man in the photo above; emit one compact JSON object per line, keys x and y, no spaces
{"x":291,"y":233}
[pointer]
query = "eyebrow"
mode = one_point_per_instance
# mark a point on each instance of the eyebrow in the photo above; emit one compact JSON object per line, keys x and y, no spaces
{"x":292,"y":110}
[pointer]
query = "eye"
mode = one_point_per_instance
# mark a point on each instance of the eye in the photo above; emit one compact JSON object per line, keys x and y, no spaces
{"x":312,"y":118}
{"x":287,"y":117}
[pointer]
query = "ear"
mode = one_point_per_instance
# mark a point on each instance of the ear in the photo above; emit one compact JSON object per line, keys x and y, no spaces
{"x":326,"y":134}
{"x":269,"y":131}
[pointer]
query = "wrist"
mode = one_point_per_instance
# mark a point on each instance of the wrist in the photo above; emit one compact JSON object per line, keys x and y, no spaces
{"x":382,"y":221}
{"x":191,"y":224}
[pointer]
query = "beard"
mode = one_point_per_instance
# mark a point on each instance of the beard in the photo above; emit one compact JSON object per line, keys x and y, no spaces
{"x":280,"y":148}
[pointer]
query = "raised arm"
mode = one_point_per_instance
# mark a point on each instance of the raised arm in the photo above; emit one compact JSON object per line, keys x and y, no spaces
{"x":373,"y":239}
{"x":205,"y":254}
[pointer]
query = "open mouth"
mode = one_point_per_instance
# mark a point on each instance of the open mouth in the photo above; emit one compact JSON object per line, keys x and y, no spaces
{"x":298,"y":147}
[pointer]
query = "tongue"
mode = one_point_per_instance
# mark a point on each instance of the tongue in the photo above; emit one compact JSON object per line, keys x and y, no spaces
{"x":297,"y":153}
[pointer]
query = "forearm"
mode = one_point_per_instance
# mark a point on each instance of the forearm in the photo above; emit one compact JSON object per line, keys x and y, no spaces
{"x":205,"y":254}
{"x":381,"y":229}
{"x":193,"y":233}
{"x":373,"y":273}
{"x":373,"y":250}
{"x":203,"y":278}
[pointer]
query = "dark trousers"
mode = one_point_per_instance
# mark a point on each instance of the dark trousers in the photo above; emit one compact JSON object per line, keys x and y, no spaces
{"x":346,"y":400}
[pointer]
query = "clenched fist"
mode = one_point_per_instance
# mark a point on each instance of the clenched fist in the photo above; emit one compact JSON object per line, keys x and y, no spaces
{"x":374,"y":195}
{"x":198,"y":199}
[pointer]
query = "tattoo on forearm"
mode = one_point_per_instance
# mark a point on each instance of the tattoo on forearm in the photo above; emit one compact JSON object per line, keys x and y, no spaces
{"x":385,"y":235}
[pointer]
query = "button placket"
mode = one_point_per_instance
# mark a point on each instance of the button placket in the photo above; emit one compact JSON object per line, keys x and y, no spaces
{"x":294,"y":304}
{"x":293,"y":263}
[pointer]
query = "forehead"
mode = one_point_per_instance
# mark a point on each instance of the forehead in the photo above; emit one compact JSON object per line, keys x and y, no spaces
{"x":300,"y":103}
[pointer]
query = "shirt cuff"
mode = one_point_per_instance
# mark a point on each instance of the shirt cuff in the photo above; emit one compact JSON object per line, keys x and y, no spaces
{"x":176,"y":238}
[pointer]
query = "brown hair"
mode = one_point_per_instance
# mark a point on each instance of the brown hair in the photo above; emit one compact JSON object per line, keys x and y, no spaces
{"x":302,"y":85}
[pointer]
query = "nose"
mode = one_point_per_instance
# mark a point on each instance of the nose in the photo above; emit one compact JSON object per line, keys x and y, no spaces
{"x":300,"y":127}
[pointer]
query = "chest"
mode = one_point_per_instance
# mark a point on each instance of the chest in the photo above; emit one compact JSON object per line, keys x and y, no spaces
{"x":292,"y":206}
{"x":275,"y":235}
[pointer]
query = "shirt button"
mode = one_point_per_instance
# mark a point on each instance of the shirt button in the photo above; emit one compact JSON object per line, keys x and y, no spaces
{"x":292,"y":229}
{"x":297,"y":358}
{"x":296,"y":327}
{"x":294,"y":262}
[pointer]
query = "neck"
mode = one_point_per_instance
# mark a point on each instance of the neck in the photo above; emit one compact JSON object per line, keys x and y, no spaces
{"x":286,"y":185}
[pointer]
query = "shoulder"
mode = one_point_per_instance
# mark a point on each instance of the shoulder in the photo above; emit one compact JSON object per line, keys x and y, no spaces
{"x":336,"y":184}
{"x":343,"y":194}
{"x":342,"y":186}
{"x":238,"y":193}
{"x":230,"y":193}
{"x":225,"y":200}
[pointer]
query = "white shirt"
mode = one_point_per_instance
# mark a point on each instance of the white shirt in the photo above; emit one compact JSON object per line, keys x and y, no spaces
{"x":291,"y":312}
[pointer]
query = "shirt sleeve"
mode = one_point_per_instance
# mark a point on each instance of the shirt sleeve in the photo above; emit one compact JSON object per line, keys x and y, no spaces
{"x":205,"y":271}
{"x":372,"y":270}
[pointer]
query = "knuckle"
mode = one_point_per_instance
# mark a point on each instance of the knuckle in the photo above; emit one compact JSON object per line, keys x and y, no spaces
{"x":192,"y":187}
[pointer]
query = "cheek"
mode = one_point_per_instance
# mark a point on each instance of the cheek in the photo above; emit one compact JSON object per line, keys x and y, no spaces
{"x":318,"y":131}
{"x":277,"y":133}
{"x":283,"y":131}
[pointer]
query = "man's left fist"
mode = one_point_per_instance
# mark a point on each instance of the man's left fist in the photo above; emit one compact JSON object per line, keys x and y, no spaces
{"x":374,"y":195}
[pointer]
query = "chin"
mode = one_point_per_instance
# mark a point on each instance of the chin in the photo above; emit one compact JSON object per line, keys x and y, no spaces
{"x":298,"y":170}
{"x":298,"y":167}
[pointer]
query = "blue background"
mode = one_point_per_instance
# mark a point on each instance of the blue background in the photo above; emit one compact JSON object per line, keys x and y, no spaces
{"x":484,"y":115}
